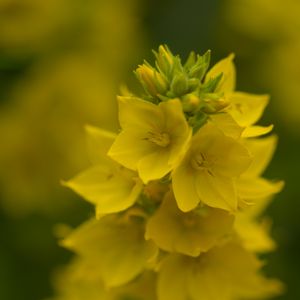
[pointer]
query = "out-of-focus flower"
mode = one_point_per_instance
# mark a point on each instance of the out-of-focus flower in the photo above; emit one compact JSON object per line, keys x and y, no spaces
{"x":188,"y":233}
{"x":109,"y":186}
{"x":225,"y":272}
{"x":78,"y":281}
{"x":114,"y":246}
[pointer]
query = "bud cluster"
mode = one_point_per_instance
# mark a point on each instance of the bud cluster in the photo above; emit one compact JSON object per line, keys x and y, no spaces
{"x":171,"y":79}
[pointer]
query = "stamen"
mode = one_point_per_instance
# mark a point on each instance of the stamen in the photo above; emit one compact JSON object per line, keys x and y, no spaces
{"x":161,"y":139}
{"x":200,"y":162}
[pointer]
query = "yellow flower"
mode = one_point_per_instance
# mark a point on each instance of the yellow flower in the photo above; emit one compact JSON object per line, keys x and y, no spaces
{"x":115,"y":246}
{"x":80,"y":281}
{"x":111,"y":187}
{"x":187,"y":233}
{"x":223,"y":273}
{"x":153,"y":137}
{"x":208,"y":171}
{"x":246,"y":109}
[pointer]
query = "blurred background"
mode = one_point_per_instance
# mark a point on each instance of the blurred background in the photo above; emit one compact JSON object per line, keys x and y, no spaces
{"x":61,"y":65}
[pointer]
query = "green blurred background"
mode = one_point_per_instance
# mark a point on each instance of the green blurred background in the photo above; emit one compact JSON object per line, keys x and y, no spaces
{"x":61,"y":64}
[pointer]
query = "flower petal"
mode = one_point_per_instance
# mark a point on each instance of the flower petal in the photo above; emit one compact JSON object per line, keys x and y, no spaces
{"x":129,"y":147}
{"x":135,"y":112}
{"x":254,"y":131}
{"x":216,"y":191}
{"x":227,"y":124}
{"x":155,"y":165}
{"x":183,"y":182}
{"x":247,"y":109}
{"x":223,"y":273}
{"x":253,"y":188}
{"x":109,"y":189}
{"x":225,"y":66}
{"x":116,"y":248}
{"x":98,"y":143}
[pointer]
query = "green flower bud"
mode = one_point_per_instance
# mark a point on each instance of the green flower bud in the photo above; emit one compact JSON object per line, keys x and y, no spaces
{"x":214,"y":105}
{"x":153,"y":82}
{"x":179,"y":85}
{"x":200,"y":66}
{"x":190,"y":103}
{"x":211,"y":85}
{"x":164,"y":60}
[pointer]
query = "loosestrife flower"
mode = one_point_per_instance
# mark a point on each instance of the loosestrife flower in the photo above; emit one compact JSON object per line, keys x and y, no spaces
{"x":179,"y":192}
{"x":153,"y":136}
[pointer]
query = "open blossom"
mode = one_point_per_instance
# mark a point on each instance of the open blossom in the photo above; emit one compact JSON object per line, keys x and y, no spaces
{"x":114,"y":246}
{"x":179,"y":192}
{"x":106,"y":184}
{"x":226,"y":272}
{"x":188,"y":233}
{"x":153,"y":137}
{"x":245,"y":108}
{"x":209,"y":170}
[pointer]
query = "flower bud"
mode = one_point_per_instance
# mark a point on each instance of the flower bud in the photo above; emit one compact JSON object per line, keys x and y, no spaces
{"x":179,"y":85}
{"x":164,"y":59}
{"x":214,"y":105}
{"x":190,"y":103}
{"x":153,"y":82}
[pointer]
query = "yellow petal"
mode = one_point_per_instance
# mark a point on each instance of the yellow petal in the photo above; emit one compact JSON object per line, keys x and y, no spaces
{"x":177,"y":127}
{"x":255,"y":207}
{"x":225,"y":66}
{"x":81,"y":281}
{"x":98,"y":143}
{"x":135,"y":112}
{"x":187,"y":233}
{"x":254,"y":234}
{"x":232,"y":158}
{"x":110,"y":189}
{"x":227,"y":124}
{"x":184,"y":187}
{"x":216,"y":191}
{"x":247,"y":109}
{"x":223,"y":273}
{"x":173,"y":278}
{"x":253,"y":188}
{"x":254,"y":131}
{"x":154,"y":166}
{"x":116,"y":248}
{"x":129,"y":147}
{"x":262,"y":150}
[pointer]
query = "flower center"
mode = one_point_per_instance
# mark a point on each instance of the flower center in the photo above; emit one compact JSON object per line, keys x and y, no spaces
{"x":199,"y":162}
{"x":161,"y":139}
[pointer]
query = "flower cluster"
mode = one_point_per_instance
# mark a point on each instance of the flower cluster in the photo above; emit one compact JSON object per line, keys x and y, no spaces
{"x":178,"y":192}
